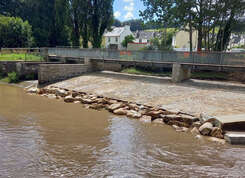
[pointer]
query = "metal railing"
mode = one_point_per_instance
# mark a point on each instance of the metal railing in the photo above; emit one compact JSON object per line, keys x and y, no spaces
{"x":215,"y":58}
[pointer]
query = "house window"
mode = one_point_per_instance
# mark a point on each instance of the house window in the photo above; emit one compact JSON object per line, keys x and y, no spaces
{"x":109,"y":39}
{"x":116,"y":39}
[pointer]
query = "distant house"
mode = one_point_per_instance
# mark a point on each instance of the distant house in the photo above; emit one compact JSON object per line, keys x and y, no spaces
{"x":146,"y":36}
{"x":143,"y":39}
{"x":181,"y":40}
{"x":114,"y":38}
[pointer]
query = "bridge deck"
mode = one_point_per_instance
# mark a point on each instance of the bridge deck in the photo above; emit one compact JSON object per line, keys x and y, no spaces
{"x":152,"y":62}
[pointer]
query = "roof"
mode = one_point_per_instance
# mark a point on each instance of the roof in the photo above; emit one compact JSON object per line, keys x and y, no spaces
{"x":148,"y":35}
{"x":115,"y":32}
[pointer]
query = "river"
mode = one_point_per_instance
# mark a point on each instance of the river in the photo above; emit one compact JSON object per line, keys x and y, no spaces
{"x":41,"y":137}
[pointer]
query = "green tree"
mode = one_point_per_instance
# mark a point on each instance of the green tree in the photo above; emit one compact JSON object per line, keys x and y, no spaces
{"x":117,"y":23}
{"x":14,"y":32}
{"x":202,"y":15}
{"x":135,"y":24}
{"x":101,"y":13}
{"x":127,"y":39}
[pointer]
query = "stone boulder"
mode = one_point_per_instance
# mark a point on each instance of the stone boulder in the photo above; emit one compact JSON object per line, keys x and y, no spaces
{"x":206,"y":128}
{"x":115,"y":106}
{"x":133,"y":114}
{"x":87,"y":101}
{"x":69,"y":99}
{"x":154,"y":114}
{"x":195,"y":131}
{"x":133,"y":106}
{"x":75,"y":94}
{"x":32,"y":90}
{"x":61,"y":92}
{"x":96,"y":106}
{"x":120,"y":111}
{"x":217,"y":132}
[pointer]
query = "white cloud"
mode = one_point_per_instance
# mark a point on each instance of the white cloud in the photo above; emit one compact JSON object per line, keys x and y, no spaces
{"x":131,"y":4}
{"x":129,"y":8}
{"x":117,"y":14}
{"x":129,"y":15}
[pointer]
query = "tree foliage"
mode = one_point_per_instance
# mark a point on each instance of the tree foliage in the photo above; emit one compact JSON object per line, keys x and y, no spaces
{"x":14,"y":32}
{"x":63,"y":22}
{"x":202,"y":15}
{"x":127,"y":39}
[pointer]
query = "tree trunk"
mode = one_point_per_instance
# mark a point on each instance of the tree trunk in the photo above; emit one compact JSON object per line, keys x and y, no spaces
{"x":85,"y":36}
{"x":76,"y":34}
{"x":200,"y":37}
{"x":190,"y":37}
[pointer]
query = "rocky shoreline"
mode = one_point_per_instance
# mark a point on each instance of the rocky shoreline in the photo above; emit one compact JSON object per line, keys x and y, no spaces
{"x":182,"y":122}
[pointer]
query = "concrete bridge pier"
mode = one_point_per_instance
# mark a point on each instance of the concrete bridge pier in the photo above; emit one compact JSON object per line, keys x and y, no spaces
{"x":180,"y":72}
{"x":92,"y":65}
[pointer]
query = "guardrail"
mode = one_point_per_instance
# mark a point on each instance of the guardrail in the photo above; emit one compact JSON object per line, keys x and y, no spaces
{"x":216,"y":58}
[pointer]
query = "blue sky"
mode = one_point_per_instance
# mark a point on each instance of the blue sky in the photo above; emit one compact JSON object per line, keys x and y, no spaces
{"x":127,"y":9}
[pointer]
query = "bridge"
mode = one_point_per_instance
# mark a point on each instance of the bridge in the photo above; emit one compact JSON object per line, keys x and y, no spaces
{"x":182,"y":63}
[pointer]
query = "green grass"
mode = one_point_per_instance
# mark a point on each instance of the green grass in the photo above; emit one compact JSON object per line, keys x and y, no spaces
{"x":208,"y":75}
{"x":12,"y":77}
{"x":4,"y":79}
{"x":22,"y":57}
{"x":137,"y":71}
{"x":204,"y":75}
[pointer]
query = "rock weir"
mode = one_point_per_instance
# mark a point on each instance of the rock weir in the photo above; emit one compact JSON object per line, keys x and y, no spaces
{"x":181,"y":122}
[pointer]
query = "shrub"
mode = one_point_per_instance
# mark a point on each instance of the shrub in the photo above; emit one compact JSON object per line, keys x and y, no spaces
{"x":14,"y":32}
{"x":127,"y":39}
{"x":13,"y":77}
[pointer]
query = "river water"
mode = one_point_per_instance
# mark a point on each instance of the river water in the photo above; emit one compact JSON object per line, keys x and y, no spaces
{"x":41,"y":137}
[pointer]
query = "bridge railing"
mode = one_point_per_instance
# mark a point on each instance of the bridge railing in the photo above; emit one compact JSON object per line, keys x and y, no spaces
{"x":215,"y":58}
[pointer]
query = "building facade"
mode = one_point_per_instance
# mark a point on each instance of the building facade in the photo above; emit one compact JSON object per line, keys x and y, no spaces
{"x":114,"y":38}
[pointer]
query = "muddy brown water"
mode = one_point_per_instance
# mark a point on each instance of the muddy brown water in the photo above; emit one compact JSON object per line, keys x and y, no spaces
{"x":41,"y":137}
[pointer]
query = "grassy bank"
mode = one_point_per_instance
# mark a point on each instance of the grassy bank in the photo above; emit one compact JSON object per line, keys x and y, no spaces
{"x":139,"y":71}
{"x":12,"y":77}
{"x":22,"y":57}
{"x":204,"y":75}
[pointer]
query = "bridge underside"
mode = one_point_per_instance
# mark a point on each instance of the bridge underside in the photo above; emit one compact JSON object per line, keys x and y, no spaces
{"x":180,"y":71}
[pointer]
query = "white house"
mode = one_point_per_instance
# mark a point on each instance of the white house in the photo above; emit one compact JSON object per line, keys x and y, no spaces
{"x":114,"y":38}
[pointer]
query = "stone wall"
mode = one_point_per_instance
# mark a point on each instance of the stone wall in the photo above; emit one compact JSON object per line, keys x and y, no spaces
{"x":7,"y":67}
{"x":21,"y":68}
{"x":49,"y":73}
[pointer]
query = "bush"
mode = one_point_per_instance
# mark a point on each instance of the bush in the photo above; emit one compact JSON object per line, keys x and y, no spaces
{"x":13,"y":77}
{"x":14,"y":32}
{"x":127,"y":39}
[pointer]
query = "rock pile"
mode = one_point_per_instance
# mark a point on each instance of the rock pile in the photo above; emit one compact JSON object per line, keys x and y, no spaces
{"x":181,"y":122}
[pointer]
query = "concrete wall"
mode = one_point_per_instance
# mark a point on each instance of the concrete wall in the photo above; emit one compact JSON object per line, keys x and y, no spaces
{"x":49,"y":73}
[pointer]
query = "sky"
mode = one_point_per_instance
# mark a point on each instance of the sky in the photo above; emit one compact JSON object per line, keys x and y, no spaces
{"x":127,"y":9}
